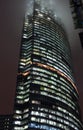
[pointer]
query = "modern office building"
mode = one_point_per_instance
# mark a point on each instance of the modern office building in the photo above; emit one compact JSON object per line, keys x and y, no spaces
{"x":46,"y":95}
{"x":6,"y":122}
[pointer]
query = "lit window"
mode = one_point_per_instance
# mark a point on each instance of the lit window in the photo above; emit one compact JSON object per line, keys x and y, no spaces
{"x":25,"y":127}
{"x":24,"y":35}
{"x":26,"y":115}
{"x":41,"y":15}
{"x":18,"y":111}
{"x":26,"y":110}
{"x":26,"y":100}
{"x":49,"y":18}
{"x":17,"y":116}
{"x":17,"y":122}
{"x":33,"y":118}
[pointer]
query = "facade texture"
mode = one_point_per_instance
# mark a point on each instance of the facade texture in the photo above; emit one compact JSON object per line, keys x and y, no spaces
{"x":46,"y":95}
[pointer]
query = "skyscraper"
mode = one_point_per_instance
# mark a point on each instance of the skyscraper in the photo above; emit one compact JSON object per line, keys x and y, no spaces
{"x":46,"y":95}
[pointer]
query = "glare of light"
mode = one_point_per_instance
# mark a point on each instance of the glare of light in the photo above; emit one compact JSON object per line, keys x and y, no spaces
{"x":41,"y":15}
{"x":48,"y":18}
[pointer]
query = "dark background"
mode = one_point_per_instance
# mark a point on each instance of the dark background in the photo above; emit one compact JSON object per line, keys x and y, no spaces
{"x":11,"y":23}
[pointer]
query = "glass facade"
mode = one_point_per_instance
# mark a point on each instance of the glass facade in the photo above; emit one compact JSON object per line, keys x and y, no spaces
{"x":46,"y":94}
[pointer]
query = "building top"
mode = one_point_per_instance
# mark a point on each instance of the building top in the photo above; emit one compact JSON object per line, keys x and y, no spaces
{"x":42,"y":7}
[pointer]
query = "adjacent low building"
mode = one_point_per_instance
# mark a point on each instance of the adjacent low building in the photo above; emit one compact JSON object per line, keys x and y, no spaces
{"x":6,"y":122}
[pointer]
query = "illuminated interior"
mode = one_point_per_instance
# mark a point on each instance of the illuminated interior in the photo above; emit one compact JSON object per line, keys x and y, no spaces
{"x":46,"y":95}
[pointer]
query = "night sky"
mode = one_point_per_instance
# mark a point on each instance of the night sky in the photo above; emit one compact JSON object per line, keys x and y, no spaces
{"x":11,"y":23}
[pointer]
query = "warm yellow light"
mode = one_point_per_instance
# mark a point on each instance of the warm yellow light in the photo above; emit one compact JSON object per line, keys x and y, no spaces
{"x":24,"y":74}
